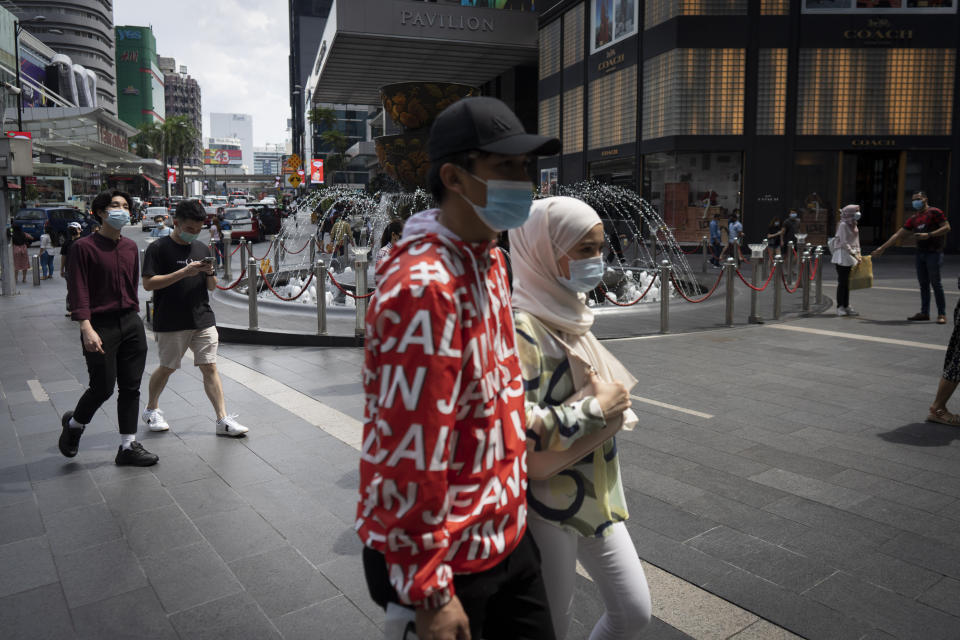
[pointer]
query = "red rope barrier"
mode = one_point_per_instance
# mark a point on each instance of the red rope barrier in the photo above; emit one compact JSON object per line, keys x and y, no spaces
{"x":769,"y":278}
{"x":285,"y":299}
{"x":293,"y":253}
{"x":269,"y":246}
{"x":235,"y":250}
{"x":690,"y":253}
{"x":786,"y":286}
{"x":813,"y":272}
{"x":698,"y":300}
{"x":607,"y":293}
{"x":342,"y":290}
{"x":243,"y":274}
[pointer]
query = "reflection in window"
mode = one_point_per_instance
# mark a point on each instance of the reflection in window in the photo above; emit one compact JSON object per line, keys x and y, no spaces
{"x":693,"y":92}
{"x":613,"y":109}
{"x":772,"y":92}
{"x":573,"y":36}
{"x":658,"y":11}
{"x":573,"y":120}
{"x":550,"y":49}
{"x":875,"y":92}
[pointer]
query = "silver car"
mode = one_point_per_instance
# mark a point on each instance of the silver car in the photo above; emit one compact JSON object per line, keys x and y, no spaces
{"x":147,"y":223}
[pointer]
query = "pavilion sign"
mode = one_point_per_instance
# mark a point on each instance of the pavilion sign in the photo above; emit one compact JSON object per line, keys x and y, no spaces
{"x":440,"y":20}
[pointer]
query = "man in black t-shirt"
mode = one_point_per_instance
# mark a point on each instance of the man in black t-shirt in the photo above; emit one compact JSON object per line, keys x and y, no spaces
{"x":179,"y":270}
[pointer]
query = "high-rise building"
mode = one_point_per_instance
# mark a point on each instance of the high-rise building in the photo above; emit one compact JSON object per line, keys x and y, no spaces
{"x":235,"y":125}
{"x":308,"y":19}
{"x":268,"y":160}
{"x":182,"y":98}
{"x":139,"y":79}
{"x":80,"y":29}
{"x":711,"y":106}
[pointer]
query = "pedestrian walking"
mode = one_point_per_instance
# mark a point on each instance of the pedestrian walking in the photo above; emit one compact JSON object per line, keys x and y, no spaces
{"x":442,"y":509}
{"x":845,"y":254}
{"x":950,"y":377}
{"x":391,"y":236}
{"x":73,"y":234}
{"x":161,"y":230}
{"x":577,"y":398}
{"x":216,"y":237}
{"x":178,"y":269}
{"x":791,"y":227}
{"x":929,"y":227}
{"x":734,"y":230}
{"x":716,"y":240}
{"x":102,"y":286}
{"x":21,"y":259}
{"x":46,"y":253}
{"x":774,"y":235}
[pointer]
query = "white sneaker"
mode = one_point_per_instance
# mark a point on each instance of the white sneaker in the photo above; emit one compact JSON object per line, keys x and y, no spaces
{"x":852,"y":312}
{"x":228,"y":426}
{"x":154,"y":419}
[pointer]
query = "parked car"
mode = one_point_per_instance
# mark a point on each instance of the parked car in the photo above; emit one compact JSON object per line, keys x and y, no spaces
{"x":148,"y":223}
{"x":269,"y":218}
{"x":33,"y":219}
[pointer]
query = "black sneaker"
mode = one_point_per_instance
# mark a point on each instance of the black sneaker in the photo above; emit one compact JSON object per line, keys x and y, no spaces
{"x":69,"y":438}
{"x":135,"y":456}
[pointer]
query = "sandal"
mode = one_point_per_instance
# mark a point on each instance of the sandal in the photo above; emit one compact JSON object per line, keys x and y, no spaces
{"x":943,"y":416}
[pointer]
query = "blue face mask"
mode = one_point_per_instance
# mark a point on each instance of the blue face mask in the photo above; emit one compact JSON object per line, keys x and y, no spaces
{"x":918,"y":204}
{"x":508,"y":203}
{"x":118,"y":218}
{"x":585,"y":274}
{"x":187,"y":237}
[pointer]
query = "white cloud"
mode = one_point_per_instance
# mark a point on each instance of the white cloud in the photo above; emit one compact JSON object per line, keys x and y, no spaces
{"x":236,"y":49}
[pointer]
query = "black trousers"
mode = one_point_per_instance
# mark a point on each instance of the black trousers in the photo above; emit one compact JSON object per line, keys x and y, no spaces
{"x":507,"y":602}
{"x":120,"y":365}
{"x":843,"y":286}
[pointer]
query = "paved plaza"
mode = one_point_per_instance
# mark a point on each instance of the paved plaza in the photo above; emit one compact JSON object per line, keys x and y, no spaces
{"x":782,"y":483}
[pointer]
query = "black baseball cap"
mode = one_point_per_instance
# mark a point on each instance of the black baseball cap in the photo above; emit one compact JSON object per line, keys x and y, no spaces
{"x":484,"y":124}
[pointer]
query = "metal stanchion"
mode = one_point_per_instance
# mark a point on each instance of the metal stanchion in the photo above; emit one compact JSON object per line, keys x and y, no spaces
{"x":313,"y":250}
{"x":35,"y":266}
{"x":321,"y":272}
{"x":818,"y":290}
{"x":276,"y":253}
{"x":757,"y":252}
{"x":805,"y":280}
{"x":252,"y":293}
{"x":665,"y":297}
{"x":706,"y":250}
{"x":243,"y":251}
{"x":730,"y":266}
{"x":789,"y":267}
{"x":360,"y":267}
{"x":227,"y":258}
{"x":777,"y":287}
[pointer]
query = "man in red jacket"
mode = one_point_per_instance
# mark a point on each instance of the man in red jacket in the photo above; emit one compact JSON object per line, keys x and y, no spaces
{"x":442,"y":509}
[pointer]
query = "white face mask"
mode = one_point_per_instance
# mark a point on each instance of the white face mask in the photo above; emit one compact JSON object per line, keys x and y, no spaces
{"x":585,"y":274}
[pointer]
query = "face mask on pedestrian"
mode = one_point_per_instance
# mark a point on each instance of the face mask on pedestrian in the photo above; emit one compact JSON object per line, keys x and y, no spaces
{"x":117,"y":218}
{"x":508,"y":203}
{"x":793,"y":215}
{"x":918,"y":204}
{"x":856,"y":215}
{"x":585,"y":274}
{"x":186,"y":236}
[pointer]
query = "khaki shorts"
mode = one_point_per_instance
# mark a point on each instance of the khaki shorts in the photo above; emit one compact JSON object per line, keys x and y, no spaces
{"x":172,"y":345}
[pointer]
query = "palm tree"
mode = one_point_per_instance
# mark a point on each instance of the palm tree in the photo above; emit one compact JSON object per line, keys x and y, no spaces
{"x":179,"y":141}
{"x":147,"y":142}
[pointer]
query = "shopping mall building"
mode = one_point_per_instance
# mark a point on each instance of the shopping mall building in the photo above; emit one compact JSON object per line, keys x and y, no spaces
{"x":759,"y":105}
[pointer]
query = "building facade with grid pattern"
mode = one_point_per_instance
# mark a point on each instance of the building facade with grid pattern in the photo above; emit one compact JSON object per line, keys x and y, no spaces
{"x":758,"y":107}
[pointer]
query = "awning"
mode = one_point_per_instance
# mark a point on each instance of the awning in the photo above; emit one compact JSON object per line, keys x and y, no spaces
{"x":151,"y":180}
{"x":12,"y":185}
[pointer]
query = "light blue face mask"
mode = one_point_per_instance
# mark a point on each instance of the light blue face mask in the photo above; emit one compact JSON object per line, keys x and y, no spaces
{"x":918,"y":204}
{"x":118,"y":218}
{"x":508,"y":203}
{"x":187,"y":237}
{"x":585,"y":274}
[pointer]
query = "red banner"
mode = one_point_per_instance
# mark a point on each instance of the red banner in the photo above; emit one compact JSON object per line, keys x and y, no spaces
{"x":316,"y":171}
{"x":171,"y":175}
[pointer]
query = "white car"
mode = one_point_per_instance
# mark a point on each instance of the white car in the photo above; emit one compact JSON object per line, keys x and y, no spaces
{"x":269,"y":200}
{"x":147,"y":223}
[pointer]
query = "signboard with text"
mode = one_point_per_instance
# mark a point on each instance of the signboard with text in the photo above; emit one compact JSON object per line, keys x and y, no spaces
{"x":223,"y":156}
{"x":316,"y":171}
{"x":171,"y":175}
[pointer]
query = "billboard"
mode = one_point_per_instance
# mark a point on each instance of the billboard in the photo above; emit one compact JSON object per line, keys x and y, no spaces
{"x":880,"y":6}
{"x":612,"y":21}
{"x":223,"y":156}
{"x":316,"y":171}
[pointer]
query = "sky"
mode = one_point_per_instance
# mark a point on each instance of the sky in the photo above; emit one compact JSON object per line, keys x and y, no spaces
{"x":236,"y":49}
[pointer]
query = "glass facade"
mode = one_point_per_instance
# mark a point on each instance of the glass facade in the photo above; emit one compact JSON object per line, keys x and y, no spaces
{"x":659,"y":11}
{"x":613,"y":109}
{"x":549,"y":120}
{"x":774,"y":7}
{"x":573,"y":36}
{"x":550,"y":50}
{"x":573,"y":121}
{"x":693,"y":92}
{"x":772,"y":92}
{"x":896,"y":92}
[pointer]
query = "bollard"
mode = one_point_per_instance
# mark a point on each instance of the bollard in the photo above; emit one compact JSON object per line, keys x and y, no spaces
{"x":730,"y":266}
{"x":243,"y":251}
{"x":706,"y":250}
{"x":360,"y":267}
{"x":276,"y":253}
{"x":665,"y":297}
{"x":252,"y":293}
{"x":818,"y":290}
{"x":805,"y":280}
{"x":777,"y":287}
{"x":789,"y":267}
{"x":35,"y":265}
{"x":321,"y":272}
{"x":313,"y":250}
{"x":227,"y":259}
{"x":755,"y":295}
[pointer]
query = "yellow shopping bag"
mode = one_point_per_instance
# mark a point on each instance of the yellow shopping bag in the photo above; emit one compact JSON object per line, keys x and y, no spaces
{"x":265,"y":266}
{"x":861,"y":276}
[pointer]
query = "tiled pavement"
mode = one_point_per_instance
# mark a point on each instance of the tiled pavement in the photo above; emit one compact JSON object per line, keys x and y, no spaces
{"x":814,"y":498}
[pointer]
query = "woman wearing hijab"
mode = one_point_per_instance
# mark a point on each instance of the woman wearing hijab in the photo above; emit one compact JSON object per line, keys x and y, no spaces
{"x":846,"y":254}
{"x":577,"y":398}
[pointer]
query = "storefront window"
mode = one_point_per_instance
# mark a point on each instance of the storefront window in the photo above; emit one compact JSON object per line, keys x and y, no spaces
{"x":772,"y":92}
{"x":658,"y":11}
{"x":815,"y":193}
{"x":686,"y":189}
{"x":613,"y":109}
{"x":928,"y":171}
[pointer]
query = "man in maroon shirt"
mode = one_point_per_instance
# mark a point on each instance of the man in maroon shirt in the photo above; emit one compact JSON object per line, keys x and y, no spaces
{"x":102,"y":287}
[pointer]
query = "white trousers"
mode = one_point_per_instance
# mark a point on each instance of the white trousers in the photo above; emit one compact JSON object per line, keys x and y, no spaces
{"x":615,"y":568}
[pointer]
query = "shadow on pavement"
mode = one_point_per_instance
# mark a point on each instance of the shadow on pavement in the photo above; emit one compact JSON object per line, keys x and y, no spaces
{"x":922,"y":434}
